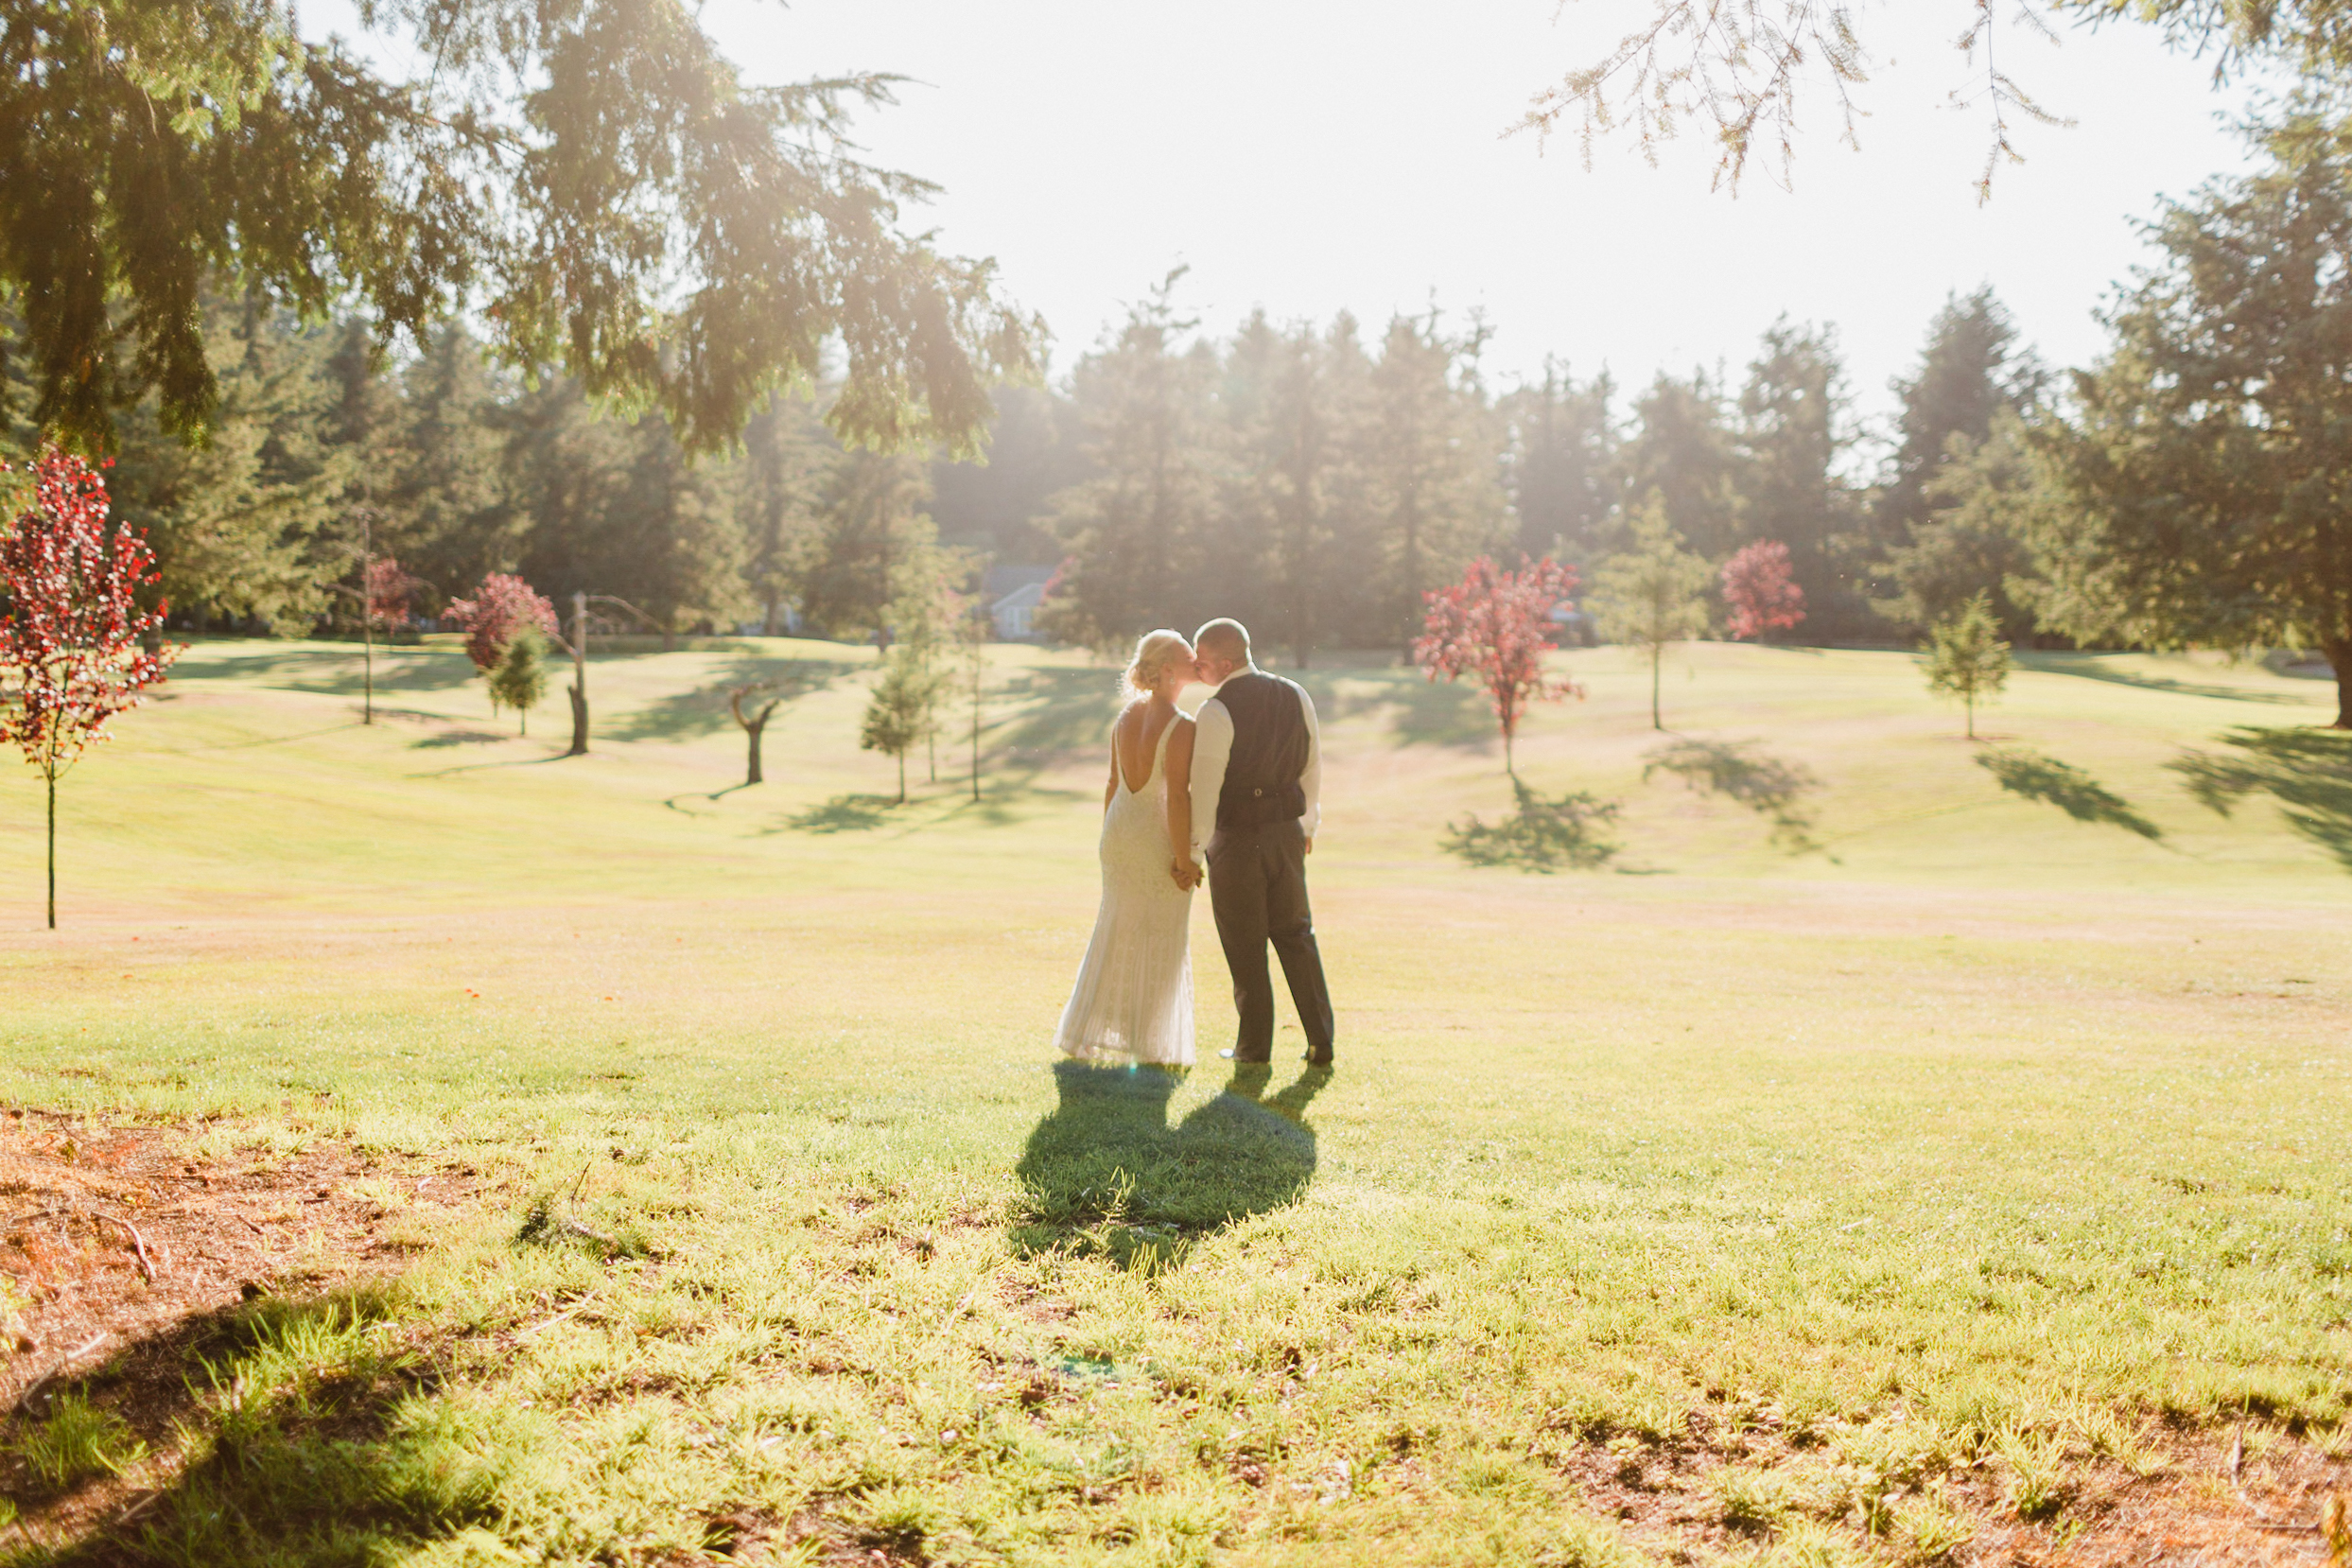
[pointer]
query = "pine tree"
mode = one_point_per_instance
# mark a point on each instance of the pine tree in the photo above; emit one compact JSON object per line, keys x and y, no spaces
{"x":897,"y":713}
{"x":236,"y":525}
{"x":1970,"y":369}
{"x":519,"y":680}
{"x":1562,"y":456}
{"x":1682,"y":449}
{"x":873,"y":539}
{"x":435,"y":463}
{"x":1795,"y":428}
{"x":1967,"y":658}
{"x":1652,"y":595}
{"x":1987,"y":503}
{"x":1427,"y":453}
{"x":1295,"y":432}
{"x":1142,"y":403}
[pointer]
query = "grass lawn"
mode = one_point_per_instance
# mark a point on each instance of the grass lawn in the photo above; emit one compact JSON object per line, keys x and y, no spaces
{"x":1898,"y":1149}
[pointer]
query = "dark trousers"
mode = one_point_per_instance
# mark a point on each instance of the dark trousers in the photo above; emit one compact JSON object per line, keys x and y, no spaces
{"x":1258,"y":890}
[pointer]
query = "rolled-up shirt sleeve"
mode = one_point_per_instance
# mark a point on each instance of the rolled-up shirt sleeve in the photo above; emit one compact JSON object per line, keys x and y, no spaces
{"x":1213,"y":748}
{"x":1310,"y":781}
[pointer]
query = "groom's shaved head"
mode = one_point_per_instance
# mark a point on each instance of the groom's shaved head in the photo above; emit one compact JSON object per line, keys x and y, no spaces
{"x":1223,"y":639}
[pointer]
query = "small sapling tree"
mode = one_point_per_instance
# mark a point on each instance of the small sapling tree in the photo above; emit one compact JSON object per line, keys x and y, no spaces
{"x":1496,"y":626}
{"x":1759,"y":592}
{"x":501,"y":607}
{"x":520,"y":679}
{"x":1653,"y":595}
{"x":755,"y":725}
{"x":896,"y":715}
{"x":72,"y":639}
{"x":1966,"y":657}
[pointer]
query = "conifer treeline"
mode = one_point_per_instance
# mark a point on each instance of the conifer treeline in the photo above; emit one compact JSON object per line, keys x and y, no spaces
{"x":1311,"y":480}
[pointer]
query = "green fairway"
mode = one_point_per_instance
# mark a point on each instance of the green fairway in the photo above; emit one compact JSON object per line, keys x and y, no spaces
{"x":1974,"y":1140}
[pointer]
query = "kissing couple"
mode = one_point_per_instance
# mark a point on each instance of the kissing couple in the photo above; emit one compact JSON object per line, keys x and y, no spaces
{"x":1241,"y":778}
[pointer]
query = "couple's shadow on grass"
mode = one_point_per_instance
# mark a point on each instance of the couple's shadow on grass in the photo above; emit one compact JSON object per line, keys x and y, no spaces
{"x":1104,"y":1173}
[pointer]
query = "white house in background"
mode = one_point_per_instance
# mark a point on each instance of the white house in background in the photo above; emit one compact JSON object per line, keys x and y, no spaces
{"x":1014,"y":595}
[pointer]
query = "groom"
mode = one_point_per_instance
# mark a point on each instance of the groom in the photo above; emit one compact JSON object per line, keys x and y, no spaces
{"x":1256,"y":755}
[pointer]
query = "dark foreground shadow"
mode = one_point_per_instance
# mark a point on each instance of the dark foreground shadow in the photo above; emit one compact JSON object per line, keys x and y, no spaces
{"x":2307,"y":772}
{"x":319,"y":1442}
{"x":1540,"y":834}
{"x":1104,"y":1172}
{"x":844,"y":815}
{"x":2038,"y":777}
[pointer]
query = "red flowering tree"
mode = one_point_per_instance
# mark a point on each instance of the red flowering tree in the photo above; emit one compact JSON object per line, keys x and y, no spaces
{"x":71,"y":629}
{"x":388,"y":592}
{"x":1759,"y":592}
{"x":503,"y":605}
{"x":1496,"y":625}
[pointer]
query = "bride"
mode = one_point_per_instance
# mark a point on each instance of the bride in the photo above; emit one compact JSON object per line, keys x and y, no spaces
{"x":1133,"y":1002}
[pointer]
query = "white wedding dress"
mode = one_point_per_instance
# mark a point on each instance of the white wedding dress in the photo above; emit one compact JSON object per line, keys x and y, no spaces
{"x":1133,"y":1002}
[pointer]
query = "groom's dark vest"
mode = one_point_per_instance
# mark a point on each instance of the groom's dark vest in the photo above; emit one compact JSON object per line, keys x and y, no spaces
{"x":1269,"y":751}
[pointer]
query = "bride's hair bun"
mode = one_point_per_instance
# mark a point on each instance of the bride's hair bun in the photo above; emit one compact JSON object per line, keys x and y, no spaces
{"x":1156,"y":654}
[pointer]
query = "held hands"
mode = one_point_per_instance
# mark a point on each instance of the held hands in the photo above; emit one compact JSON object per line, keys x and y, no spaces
{"x":1188,"y":875}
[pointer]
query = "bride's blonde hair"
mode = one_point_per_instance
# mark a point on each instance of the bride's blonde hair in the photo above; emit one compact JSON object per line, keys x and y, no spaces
{"x":1156,"y":654}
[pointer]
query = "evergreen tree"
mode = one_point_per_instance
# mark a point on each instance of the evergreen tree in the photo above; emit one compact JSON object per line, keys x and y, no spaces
{"x":873,"y":540}
{"x":1683,"y":450}
{"x":519,"y":679}
{"x":237,"y":524}
{"x":1986,"y":505}
{"x":899,"y":710}
{"x":1000,"y":505}
{"x":1298,"y":397}
{"x":1794,"y":431}
{"x":1970,"y":369}
{"x":1428,"y":459}
{"x":785,"y":449}
{"x":2206,"y":481}
{"x":434,"y":466}
{"x":1143,"y":408}
{"x":1653,"y":594}
{"x":1967,"y":658}
{"x":1561,"y":457}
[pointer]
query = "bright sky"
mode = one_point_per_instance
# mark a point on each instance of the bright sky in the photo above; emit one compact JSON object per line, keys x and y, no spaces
{"x":1307,"y":156}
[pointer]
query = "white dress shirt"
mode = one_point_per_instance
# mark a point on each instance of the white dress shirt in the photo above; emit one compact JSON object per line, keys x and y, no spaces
{"x":1213,"y":748}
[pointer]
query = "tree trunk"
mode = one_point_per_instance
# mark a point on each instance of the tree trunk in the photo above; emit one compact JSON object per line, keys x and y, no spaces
{"x":902,"y":778}
{"x":668,"y":639}
{"x":578,"y":690}
{"x":51,"y":774}
{"x":1968,"y":702}
{"x":767,"y":627}
{"x":753,"y":731}
{"x":1509,"y":766}
{"x":367,"y":655}
{"x":1657,"y":663}
{"x":2339,"y":651}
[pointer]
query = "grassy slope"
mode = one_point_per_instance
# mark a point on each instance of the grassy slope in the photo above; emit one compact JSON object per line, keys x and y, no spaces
{"x":1980,"y":1127}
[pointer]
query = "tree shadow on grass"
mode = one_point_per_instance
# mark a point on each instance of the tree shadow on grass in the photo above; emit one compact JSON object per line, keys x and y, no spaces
{"x":2307,"y":772}
{"x":1773,"y":788}
{"x":2090,"y":668}
{"x":703,"y":710}
{"x":316,"y":1440}
{"x":2038,"y":777}
{"x":337,"y":671}
{"x":1060,"y":711}
{"x":1104,"y":1172}
{"x":1541,"y":835}
{"x":458,"y":737}
{"x":1425,"y":712}
{"x":852,"y":813}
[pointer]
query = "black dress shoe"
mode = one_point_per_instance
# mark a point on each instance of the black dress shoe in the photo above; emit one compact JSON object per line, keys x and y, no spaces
{"x":1318,"y":1059}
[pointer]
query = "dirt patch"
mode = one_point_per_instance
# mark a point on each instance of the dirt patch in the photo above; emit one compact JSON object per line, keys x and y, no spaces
{"x":2195,"y":1501}
{"x":110,"y":1235}
{"x":125,"y":1250}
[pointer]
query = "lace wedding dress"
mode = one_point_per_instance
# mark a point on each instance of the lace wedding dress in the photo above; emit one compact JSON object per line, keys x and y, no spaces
{"x":1133,"y":1002}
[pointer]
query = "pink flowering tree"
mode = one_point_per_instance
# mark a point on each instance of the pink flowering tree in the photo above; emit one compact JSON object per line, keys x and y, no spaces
{"x":1759,"y":592}
{"x":503,"y":605}
{"x":1495,"y":626}
{"x":72,"y":639}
